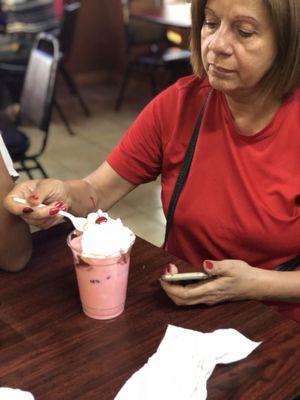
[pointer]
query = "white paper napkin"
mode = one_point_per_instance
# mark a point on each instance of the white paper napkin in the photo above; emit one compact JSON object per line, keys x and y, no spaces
{"x":14,"y":394}
{"x":183,"y":362}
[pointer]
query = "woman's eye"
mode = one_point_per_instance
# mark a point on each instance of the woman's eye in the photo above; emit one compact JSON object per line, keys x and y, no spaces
{"x":245,"y":34}
{"x":210,"y":24}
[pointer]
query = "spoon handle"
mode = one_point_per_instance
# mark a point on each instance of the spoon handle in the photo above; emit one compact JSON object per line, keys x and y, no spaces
{"x":23,"y":201}
{"x":65,"y":214}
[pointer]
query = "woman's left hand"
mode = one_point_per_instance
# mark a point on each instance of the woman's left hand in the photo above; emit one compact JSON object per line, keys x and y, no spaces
{"x":233,"y":280}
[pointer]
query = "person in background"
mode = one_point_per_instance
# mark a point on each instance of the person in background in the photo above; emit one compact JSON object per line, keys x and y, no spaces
{"x":15,"y":238}
{"x":238,"y":215}
{"x":58,"y":8}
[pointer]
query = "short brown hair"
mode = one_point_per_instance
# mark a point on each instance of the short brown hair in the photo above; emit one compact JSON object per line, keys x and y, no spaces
{"x":284,"y":75}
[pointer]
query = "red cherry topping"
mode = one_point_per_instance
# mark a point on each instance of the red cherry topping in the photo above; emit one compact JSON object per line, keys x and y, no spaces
{"x":100,"y":220}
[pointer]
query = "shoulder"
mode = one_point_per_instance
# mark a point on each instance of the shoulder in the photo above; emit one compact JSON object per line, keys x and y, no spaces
{"x":189,"y":86}
{"x":185,"y":94}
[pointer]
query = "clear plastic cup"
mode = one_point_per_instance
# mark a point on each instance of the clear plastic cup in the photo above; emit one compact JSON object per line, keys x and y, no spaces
{"x":102,"y":281}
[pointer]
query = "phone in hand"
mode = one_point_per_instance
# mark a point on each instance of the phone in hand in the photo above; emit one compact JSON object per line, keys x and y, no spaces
{"x":185,"y":278}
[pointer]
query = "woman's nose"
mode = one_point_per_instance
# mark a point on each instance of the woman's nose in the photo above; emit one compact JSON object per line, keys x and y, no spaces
{"x":221,"y":41}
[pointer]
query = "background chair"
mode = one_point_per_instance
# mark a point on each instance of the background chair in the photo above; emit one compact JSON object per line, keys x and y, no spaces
{"x":65,"y":37}
{"x":23,"y":21}
{"x":31,"y":16}
{"x":21,"y":32}
{"x":35,"y":105}
{"x":149,"y":54}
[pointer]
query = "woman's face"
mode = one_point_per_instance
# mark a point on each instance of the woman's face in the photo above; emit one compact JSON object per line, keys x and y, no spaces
{"x":237,"y":44}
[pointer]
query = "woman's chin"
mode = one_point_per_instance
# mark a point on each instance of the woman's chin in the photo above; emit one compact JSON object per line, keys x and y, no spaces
{"x":222,"y":85}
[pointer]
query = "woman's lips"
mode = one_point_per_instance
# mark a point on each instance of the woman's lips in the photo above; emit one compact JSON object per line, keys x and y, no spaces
{"x":217,"y":69}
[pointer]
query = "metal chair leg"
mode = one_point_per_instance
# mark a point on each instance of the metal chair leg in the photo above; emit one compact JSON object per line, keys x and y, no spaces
{"x":25,"y":169}
{"x":63,"y":118}
{"x":123,"y":86}
{"x":39,"y":166}
{"x":73,"y":88}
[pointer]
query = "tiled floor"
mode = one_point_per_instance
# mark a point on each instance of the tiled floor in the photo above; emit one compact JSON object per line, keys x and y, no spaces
{"x":69,"y":157}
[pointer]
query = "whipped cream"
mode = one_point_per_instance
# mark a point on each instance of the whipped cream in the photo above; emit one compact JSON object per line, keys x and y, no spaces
{"x":104,"y":236}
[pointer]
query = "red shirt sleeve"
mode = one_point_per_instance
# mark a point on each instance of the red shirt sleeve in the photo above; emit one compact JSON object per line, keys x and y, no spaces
{"x":158,"y":137}
{"x":138,"y":156}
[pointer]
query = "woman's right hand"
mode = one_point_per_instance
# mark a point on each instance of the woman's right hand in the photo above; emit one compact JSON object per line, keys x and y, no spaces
{"x":51,"y":192}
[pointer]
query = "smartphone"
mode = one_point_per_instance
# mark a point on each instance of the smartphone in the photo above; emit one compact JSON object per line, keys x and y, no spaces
{"x":186,"y":277}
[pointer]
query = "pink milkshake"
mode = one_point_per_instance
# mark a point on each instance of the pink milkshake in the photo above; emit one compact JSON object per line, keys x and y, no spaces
{"x":101,"y":256}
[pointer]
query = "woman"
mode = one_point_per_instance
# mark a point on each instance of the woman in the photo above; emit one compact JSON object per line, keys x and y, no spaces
{"x":238,"y":213}
{"x":15,"y":243}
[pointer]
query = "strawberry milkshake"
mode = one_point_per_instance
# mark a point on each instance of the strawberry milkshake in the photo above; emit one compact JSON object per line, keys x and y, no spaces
{"x":101,"y":256}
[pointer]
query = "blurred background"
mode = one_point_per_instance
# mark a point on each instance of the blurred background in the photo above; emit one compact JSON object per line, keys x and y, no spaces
{"x":74,"y":75}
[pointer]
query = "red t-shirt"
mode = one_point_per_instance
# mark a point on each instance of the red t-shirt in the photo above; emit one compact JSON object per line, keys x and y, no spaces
{"x":238,"y":201}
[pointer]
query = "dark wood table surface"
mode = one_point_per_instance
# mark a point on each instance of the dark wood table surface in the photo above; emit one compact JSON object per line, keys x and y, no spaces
{"x":169,"y":14}
{"x":50,"y":348}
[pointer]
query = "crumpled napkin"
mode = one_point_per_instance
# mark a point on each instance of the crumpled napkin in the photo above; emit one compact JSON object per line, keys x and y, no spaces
{"x":183,"y":362}
{"x":14,"y":394}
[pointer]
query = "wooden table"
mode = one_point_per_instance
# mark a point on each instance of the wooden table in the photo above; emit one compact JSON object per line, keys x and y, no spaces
{"x":49,"y":347}
{"x":173,"y":15}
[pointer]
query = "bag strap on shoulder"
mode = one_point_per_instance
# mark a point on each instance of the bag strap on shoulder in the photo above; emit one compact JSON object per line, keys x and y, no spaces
{"x":186,"y":163}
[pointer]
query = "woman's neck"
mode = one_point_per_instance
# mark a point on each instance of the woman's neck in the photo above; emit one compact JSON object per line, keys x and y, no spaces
{"x":252,"y":113}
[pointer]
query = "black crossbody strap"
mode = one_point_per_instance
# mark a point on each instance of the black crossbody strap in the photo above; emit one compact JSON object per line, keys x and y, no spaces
{"x":289,"y":265}
{"x":186,"y":163}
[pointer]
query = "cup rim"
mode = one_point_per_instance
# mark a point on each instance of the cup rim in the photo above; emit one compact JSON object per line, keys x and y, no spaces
{"x":92,"y":256}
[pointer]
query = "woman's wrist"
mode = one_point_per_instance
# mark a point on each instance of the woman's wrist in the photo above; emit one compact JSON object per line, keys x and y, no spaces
{"x":81,"y":197}
{"x":275,"y":285}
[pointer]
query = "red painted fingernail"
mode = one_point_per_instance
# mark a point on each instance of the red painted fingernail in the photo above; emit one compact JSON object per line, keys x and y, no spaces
{"x":64,"y":208}
{"x":53,"y":211}
{"x":58,"y":204}
{"x":208,"y":264}
{"x":27,"y":210}
{"x":33,"y":197}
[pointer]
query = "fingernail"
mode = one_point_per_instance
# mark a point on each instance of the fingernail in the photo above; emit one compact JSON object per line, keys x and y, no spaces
{"x":64,"y":208}
{"x":27,"y":210}
{"x":208,"y":264}
{"x":58,"y":204}
{"x":33,"y":197}
{"x":53,"y":211}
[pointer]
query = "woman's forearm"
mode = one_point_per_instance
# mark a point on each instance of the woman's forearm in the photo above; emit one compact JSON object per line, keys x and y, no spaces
{"x":101,"y":189}
{"x":278,"y":285}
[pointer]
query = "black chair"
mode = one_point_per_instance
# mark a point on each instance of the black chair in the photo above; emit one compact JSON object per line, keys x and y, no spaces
{"x":156,"y":53}
{"x":65,"y":37}
{"x":31,"y":16}
{"x":22,"y":34}
{"x":35,"y":105}
{"x":23,"y":21}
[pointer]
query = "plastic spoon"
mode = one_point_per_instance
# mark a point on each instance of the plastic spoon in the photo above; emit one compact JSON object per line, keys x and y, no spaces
{"x":78,"y":222}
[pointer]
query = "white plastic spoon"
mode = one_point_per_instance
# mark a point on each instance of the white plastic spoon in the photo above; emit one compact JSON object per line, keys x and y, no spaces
{"x":78,"y":222}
